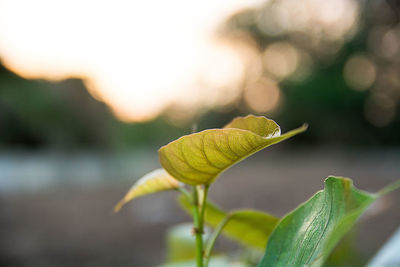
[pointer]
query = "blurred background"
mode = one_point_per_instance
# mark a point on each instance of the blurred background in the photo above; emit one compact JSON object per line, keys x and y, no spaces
{"x":89,"y":90}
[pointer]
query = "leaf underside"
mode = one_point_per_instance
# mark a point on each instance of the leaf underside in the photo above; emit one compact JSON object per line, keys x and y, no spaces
{"x":155,"y":181}
{"x":201,"y":157}
{"x":307,"y":235}
{"x":248,"y":227}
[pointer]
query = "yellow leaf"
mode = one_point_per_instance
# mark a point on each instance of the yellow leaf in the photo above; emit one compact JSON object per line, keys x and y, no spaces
{"x":201,"y":157}
{"x":155,"y":181}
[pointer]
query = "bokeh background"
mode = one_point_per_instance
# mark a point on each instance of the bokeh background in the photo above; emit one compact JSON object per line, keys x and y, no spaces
{"x":89,"y":90}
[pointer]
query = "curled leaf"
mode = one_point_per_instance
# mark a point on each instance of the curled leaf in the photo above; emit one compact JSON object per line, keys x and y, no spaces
{"x":248,"y":227}
{"x":258,"y":125}
{"x":155,"y":181}
{"x":201,"y":157}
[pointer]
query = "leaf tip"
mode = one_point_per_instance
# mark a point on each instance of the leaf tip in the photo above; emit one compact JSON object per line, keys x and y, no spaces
{"x":119,"y":206}
{"x":389,"y":188}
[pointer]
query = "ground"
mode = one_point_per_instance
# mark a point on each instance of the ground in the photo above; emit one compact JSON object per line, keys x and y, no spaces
{"x":71,"y":225}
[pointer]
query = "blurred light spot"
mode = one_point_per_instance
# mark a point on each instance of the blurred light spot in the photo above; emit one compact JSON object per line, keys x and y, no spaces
{"x":136,"y":56}
{"x":359,"y":72}
{"x":180,"y":115}
{"x":329,"y":19}
{"x":380,"y":109}
{"x":271,"y":20}
{"x":262,"y":96}
{"x":253,"y":61}
{"x":304,"y":69}
{"x":375,"y":37}
{"x":281,"y":59}
{"x":384,"y":42}
{"x":224,"y":67}
{"x":390,"y":44}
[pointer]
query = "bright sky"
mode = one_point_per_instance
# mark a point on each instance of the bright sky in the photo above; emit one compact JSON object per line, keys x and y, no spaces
{"x":137,"y":56}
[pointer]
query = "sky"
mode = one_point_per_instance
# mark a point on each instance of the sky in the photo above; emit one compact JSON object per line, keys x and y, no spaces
{"x":138,"y":57}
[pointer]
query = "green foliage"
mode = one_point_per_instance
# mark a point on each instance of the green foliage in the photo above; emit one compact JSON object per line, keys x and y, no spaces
{"x":181,"y":243}
{"x":248,"y":227}
{"x":305,"y":237}
{"x":200,"y":158}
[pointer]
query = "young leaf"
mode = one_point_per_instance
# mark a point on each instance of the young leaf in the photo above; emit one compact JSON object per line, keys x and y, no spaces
{"x":155,"y":181}
{"x":200,"y":158}
{"x":258,"y":125}
{"x":307,"y":235}
{"x":248,"y":227}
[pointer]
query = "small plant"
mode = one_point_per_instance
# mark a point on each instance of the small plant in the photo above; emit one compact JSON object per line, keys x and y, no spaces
{"x":304,"y":237}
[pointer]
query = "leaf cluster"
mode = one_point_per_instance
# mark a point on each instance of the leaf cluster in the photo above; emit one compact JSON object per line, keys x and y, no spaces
{"x":304,"y":237}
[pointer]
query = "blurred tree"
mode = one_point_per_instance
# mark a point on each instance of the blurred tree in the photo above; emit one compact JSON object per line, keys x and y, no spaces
{"x":37,"y":113}
{"x":333,"y":69}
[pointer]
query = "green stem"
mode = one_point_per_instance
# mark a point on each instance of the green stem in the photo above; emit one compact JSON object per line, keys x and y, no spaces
{"x":198,"y":228}
{"x":185,"y":192}
{"x":213,"y":239}
{"x":203,"y":206}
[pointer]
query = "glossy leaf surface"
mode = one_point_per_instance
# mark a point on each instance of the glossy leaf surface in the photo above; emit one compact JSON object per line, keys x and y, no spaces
{"x":155,"y":181}
{"x":248,"y":227}
{"x":306,"y":236}
{"x":201,"y":157}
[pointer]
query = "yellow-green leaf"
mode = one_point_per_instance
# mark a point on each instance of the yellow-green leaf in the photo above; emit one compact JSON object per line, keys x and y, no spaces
{"x":200,"y":158}
{"x":155,"y":181}
{"x":248,"y":227}
{"x":256,"y":124}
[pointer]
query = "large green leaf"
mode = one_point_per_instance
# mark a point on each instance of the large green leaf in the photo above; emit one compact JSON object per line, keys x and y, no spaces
{"x":248,"y":227}
{"x":201,"y":157}
{"x":307,"y":235}
{"x":155,"y":181}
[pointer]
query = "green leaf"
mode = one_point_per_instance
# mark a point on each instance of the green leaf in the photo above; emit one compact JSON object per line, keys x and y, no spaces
{"x":248,"y":227}
{"x":307,"y":235}
{"x":155,"y":181}
{"x":181,"y":249}
{"x":200,"y":158}
{"x":181,"y":243}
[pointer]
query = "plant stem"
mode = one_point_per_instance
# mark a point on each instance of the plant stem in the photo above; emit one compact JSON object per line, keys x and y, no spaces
{"x":213,"y":238}
{"x":203,"y":206}
{"x":198,"y":228}
{"x":185,"y":192}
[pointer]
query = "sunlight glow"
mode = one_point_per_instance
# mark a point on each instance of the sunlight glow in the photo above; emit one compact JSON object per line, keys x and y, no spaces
{"x":359,"y":72}
{"x":137,"y":57}
{"x":262,"y":96}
